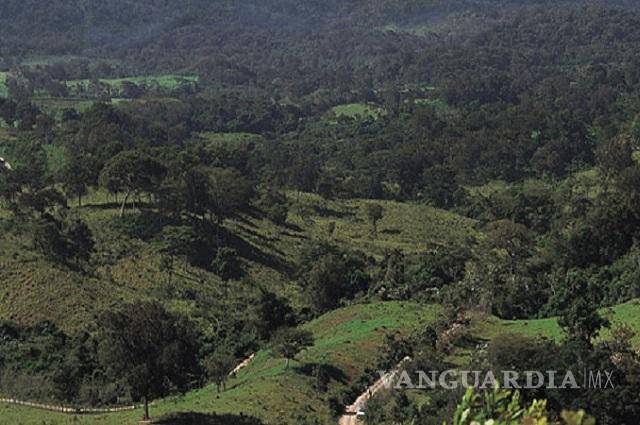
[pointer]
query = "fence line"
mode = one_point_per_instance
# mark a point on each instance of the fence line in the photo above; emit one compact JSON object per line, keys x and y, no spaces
{"x":96,"y":411}
{"x":66,"y":409}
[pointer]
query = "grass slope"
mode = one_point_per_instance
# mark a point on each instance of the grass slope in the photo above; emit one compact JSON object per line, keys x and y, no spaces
{"x":348,"y":339}
{"x":484,"y":329}
{"x":357,"y":110}
{"x":169,"y":81}
{"x":129,"y":267}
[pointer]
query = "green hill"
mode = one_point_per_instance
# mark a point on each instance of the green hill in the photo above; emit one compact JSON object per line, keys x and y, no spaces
{"x":483,"y":329}
{"x":129,"y":269}
{"x":347,"y":339}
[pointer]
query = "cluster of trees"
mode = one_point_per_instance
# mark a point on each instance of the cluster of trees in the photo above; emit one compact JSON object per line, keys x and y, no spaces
{"x":535,"y":232}
{"x":140,"y":352}
{"x":611,"y":366}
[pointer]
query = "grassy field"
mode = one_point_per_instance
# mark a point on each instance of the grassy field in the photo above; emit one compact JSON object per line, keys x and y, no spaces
{"x":170,"y":81}
{"x":57,"y":105}
{"x":357,"y":110}
{"x":130,"y":268}
{"x":484,"y":329}
{"x":411,"y":227}
{"x":348,"y":339}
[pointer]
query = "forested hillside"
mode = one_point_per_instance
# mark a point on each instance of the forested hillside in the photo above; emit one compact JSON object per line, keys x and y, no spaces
{"x":185,"y":185}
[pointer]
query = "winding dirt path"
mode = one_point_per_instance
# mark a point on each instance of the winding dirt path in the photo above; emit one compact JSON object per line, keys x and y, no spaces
{"x":385,"y":381}
{"x":444,"y":339}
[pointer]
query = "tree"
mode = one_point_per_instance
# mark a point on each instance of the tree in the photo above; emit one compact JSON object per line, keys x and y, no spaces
{"x":152,"y":351}
{"x":177,"y":242}
{"x":391,"y":282}
{"x":80,"y":240}
{"x":441,"y":187}
{"x":132,"y":172}
{"x":76,"y":176}
{"x":328,"y":274}
{"x":615,"y":156}
{"x":219,"y":365}
{"x":30,"y":164}
{"x":500,"y":407}
{"x":275,"y":205}
{"x":62,"y":239}
{"x":289,"y":342}
{"x":226,"y":264}
{"x":229,"y":192}
{"x":43,"y":202}
{"x":49,"y":239}
{"x":374,"y":213}
{"x":271,"y":312}
{"x":331,"y":279}
{"x":581,"y":319}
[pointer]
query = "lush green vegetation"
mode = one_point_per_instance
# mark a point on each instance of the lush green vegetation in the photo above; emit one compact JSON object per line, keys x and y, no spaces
{"x":131,"y":86}
{"x":463,"y":172}
{"x":3,"y":88}
{"x":347,"y":340}
{"x":357,"y":111}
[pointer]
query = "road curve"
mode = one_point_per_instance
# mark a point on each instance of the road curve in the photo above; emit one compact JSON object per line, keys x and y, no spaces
{"x":385,"y":381}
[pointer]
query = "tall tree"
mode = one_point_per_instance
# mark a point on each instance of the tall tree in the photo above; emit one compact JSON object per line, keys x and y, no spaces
{"x":229,"y":192}
{"x":132,"y":172}
{"x":152,"y":351}
{"x":374,"y":213}
{"x":289,"y":342}
{"x":76,"y":177}
{"x":219,"y":365}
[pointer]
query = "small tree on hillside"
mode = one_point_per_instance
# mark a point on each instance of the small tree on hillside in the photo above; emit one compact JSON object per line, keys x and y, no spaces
{"x":219,"y":365}
{"x":229,"y":192}
{"x":374,"y":212}
{"x":80,"y":240}
{"x":176,"y":242}
{"x":75,"y":177}
{"x":289,"y":342}
{"x":151,"y":350}
{"x":581,"y":320}
{"x":227,"y":265}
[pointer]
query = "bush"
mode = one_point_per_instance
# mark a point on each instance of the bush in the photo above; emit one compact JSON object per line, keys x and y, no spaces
{"x":144,"y":225}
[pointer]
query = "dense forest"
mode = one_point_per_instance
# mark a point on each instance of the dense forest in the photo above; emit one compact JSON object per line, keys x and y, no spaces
{"x":182,"y":186}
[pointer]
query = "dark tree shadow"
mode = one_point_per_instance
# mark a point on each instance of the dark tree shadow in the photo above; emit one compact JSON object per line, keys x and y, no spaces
{"x":466,"y":340}
{"x":332,"y":372}
{"x":207,"y":419}
{"x":104,"y":206}
{"x":250,"y":252}
{"x":325,"y":212}
{"x":293,"y":227}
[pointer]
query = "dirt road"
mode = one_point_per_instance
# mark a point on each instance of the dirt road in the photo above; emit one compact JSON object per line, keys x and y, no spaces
{"x":350,"y":418}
